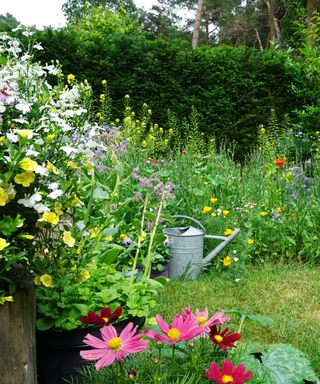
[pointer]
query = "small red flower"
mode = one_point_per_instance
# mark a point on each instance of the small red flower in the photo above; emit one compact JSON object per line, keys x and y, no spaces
{"x":279,"y":162}
{"x":229,"y":373}
{"x":222,"y":338}
{"x":105,"y":317}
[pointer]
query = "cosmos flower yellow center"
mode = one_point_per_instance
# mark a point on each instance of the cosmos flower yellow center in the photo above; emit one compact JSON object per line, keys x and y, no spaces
{"x":227,"y":379}
{"x":218,"y":338}
{"x":174,"y":333}
{"x":106,"y":320}
{"x":202,"y":320}
{"x":115,"y":344}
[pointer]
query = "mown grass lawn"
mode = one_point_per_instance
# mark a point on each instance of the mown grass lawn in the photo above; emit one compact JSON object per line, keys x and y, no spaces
{"x":290,"y":295}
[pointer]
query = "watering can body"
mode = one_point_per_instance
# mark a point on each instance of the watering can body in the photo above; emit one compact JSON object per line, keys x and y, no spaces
{"x":186,"y":249}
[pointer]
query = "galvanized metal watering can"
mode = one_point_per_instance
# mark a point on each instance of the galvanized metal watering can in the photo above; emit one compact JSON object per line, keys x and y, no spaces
{"x":186,"y":248}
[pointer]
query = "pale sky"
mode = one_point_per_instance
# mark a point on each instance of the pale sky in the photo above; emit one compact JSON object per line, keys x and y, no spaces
{"x":45,"y":12}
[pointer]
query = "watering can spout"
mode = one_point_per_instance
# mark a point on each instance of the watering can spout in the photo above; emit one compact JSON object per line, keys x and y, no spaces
{"x":225,"y":241}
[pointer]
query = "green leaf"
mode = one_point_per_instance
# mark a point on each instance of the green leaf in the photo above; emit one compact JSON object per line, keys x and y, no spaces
{"x":44,"y":324}
{"x":100,"y":194}
{"x":287,"y":364}
{"x":110,"y":256}
{"x":264,"y":321}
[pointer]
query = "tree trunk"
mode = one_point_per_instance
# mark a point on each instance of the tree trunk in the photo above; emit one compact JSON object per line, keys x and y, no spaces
{"x":272,"y":29}
{"x":197,"y":23}
{"x":17,"y":340}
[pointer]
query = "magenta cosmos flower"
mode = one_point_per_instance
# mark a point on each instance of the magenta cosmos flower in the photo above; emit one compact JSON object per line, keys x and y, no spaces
{"x":201,"y":318}
{"x":228,"y":374}
{"x":113,"y":346}
{"x":180,"y":330}
{"x":106,"y":316}
{"x":223,"y":339}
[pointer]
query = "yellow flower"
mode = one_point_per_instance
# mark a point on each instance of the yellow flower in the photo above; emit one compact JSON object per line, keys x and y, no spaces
{"x":37,"y":280}
{"x":213,"y":200}
{"x":142,"y":236}
{"x":68,"y":239}
{"x":85,"y":275}
{"x":28,"y":165}
{"x":263,"y":213}
{"x":50,"y":137}
{"x":71,"y":78}
{"x":47,"y":281}
{"x":206,"y":209}
{"x":4,"y":197}
{"x":94,"y":232}
{"x":3,"y":299}
{"x":89,"y":166}
{"x":225,"y":212}
{"x":25,"y":178}
{"x":58,"y":209}
{"x":50,"y":217}
{"x":279,"y":209}
{"x":104,"y":82}
{"x":127,"y":97}
{"x":25,"y":133}
{"x":76,"y":201}
{"x":71,"y":165}
{"x":52,"y":168}
{"x":144,"y":143}
{"x":109,"y":238}
{"x":228,"y":232}
{"x":102,"y":97}
{"x":3,"y":141}
{"x":227,"y":261}
{"x":3,"y":244}
{"x":123,"y":236}
{"x":250,"y":241}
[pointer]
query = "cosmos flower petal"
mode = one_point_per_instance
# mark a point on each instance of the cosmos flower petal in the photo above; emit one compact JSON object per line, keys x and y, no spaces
{"x":105,"y":361}
{"x":162,"y":324}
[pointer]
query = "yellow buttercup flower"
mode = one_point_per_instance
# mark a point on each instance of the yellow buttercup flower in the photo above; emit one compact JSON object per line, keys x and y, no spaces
{"x":25,"y":133}
{"x":50,"y":217}
{"x":263,"y":213}
{"x":28,"y":165}
{"x":4,"y":197}
{"x":250,"y":241}
{"x":52,"y":168}
{"x":3,"y":244}
{"x":225,"y":212}
{"x":213,"y":200}
{"x":228,"y":232}
{"x":123,"y":236}
{"x":25,"y":178}
{"x":68,"y":239}
{"x":47,"y":281}
{"x":227,"y":261}
{"x":206,"y":209}
{"x":3,"y":299}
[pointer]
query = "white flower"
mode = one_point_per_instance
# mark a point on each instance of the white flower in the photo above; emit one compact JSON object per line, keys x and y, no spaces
{"x":21,"y":121}
{"x":38,"y":47}
{"x":32,"y":152}
{"x":40,"y":170}
{"x":236,"y":259}
{"x":53,"y":186}
{"x":237,"y":280}
{"x":55,"y":194}
{"x":30,"y":202}
{"x":24,"y":107}
{"x":81,"y":226}
{"x":68,"y":150}
{"x":41,"y":208}
{"x":12,"y":137}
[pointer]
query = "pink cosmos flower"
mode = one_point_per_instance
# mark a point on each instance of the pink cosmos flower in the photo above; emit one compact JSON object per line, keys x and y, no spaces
{"x":180,"y":330}
{"x":113,"y":346}
{"x":201,"y":318}
{"x":228,"y":374}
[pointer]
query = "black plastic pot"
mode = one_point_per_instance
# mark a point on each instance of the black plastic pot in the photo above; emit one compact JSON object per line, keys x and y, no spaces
{"x":58,"y":353}
{"x":164,"y":273}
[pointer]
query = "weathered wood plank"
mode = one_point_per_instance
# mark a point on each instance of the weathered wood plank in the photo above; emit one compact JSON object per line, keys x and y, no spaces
{"x":17,"y":340}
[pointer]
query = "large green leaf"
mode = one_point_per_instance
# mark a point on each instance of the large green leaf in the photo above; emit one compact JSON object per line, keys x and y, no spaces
{"x":287,"y":364}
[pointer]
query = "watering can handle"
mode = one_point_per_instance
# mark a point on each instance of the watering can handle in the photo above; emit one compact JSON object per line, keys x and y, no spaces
{"x":190,"y":218}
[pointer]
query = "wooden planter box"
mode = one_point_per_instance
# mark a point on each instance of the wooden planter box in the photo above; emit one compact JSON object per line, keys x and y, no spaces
{"x":17,"y":340}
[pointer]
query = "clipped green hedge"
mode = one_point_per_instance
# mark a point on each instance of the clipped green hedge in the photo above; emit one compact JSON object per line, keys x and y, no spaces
{"x":232,"y":88}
